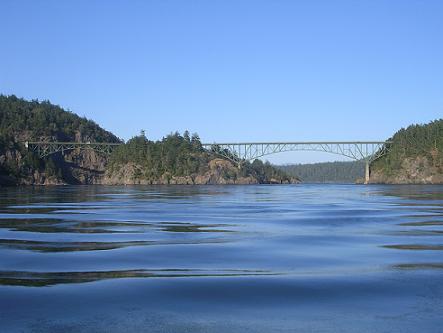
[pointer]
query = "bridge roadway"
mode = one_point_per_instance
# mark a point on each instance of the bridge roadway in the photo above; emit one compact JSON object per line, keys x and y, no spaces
{"x":242,"y":151}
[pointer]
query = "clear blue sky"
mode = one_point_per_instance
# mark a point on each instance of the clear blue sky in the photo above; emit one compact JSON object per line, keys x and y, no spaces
{"x":230,"y":70}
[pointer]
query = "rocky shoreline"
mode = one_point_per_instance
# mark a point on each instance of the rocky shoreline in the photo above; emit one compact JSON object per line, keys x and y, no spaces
{"x":129,"y":174}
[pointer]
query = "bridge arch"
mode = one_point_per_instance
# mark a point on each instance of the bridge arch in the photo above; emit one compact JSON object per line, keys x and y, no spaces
{"x":359,"y":150}
{"x":367,"y":151}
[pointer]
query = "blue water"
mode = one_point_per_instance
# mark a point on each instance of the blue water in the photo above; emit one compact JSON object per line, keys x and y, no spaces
{"x":289,"y":258}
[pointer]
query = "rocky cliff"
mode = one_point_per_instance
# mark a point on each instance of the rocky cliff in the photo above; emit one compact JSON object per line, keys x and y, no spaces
{"x":75,"y":167}
{"x":417,"y":170}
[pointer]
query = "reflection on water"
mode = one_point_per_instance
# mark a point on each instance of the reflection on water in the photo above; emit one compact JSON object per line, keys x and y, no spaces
{"x":421,"y":223}
{"x":305,"y":254}
{"x":94,"y":227}
{"x":37,"y":279}
{"x":90,"y":246}
{"x":414,"y":247}
{"x":419,"y":266}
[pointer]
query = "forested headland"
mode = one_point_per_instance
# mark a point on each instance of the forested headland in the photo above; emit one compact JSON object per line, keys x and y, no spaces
{"x":22,"y":120}
{"x":176,"y":159}
{"x":415,"y":155}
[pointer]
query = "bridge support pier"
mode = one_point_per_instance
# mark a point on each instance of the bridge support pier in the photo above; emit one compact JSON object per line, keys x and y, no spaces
{"x":367,"y":172}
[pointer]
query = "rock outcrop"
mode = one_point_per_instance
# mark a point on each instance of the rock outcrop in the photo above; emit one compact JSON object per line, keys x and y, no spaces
{"x":220,"y":171}
{"x":418,"y":170}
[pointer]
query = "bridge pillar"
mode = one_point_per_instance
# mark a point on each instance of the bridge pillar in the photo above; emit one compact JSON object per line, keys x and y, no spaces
{"x":367,"y":172}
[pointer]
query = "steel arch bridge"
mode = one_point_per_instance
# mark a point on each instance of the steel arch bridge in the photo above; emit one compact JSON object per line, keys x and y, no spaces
{"x":356,"y":150}
{"x":367,"y":151}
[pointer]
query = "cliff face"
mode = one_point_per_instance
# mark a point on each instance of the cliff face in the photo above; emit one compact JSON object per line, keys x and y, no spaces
{"x":18,"y":166}
{"x":76,"y":167}
{"x":84,"y":167}
{"x":16,"y":169}
{"x":418,"y":170}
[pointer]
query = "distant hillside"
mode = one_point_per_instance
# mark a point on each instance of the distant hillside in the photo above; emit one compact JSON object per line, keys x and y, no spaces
{"x":327,"y":172}
{"x":415,"y":156}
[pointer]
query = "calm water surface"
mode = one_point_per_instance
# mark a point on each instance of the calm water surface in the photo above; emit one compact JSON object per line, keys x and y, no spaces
{"x":303,"y":258}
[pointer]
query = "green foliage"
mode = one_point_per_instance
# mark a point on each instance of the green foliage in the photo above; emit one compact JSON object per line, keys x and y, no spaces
{"x":328,"y":172}
{"x":414,"y":141}
{"x":32,"y":120}
{"x":174,"y":155}
{"x":265,"y":172}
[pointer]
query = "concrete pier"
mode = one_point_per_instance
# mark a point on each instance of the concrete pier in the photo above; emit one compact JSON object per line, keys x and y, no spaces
{"x":367,"y":172}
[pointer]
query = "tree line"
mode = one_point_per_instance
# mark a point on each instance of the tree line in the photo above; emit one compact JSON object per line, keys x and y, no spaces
{"x":34,"y":120}
{"x":326,"y":172}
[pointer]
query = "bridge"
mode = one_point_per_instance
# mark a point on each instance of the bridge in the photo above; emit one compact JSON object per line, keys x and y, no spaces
{"x":238,"y":152}
{"x":46,"y":148}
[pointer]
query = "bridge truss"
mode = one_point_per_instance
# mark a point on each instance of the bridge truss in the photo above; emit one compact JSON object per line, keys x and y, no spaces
{"x":46,"y":148}
{"x":356,"y":150}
